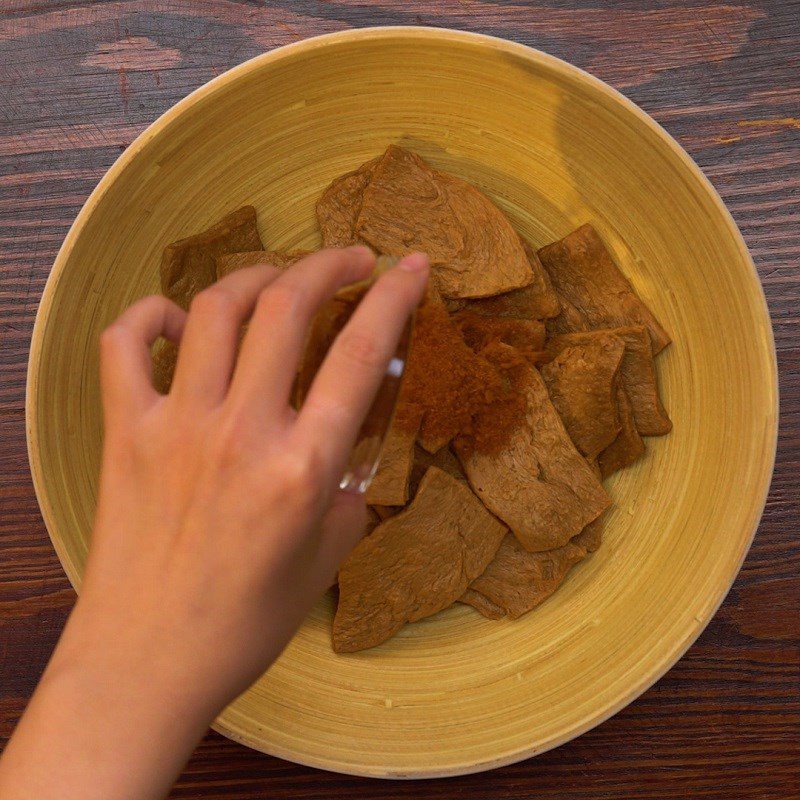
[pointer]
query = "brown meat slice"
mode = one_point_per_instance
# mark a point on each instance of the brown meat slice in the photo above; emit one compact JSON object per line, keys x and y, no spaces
{"x":389,"y":487}
{"x":453,"y":304}
{"x":539,"y":297}
{"x":410,"y":206}
{"x":538,"y":484}
{"x":448,"y":397}
{"x":444,"y":459}
{"x":373,"y":520}
{"x":517,"y":580}
{"x":537,"y":300}
{"x":188,"y":266}
{"x":479,"y":331}
{"x":340,"y":204}
{"x":282,"y":259}
{"x":165,"y":357}
{"x":628,"y":446}
{"x":384,"y":512}
{"x":414,"y":564}
{"x":593,"y":291}
{"x":591,"y":537}
{"x":637,"y":374}
{"x":582,"y":383}
{"x":593,"y":465}
{"x":482,"y":604}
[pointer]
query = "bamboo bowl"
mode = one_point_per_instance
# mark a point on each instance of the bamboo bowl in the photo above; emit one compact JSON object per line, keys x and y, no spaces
{"x":554,"y":148}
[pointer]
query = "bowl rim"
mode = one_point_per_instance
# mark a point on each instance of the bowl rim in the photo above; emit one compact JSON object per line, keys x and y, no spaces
{"x":492,"y":43}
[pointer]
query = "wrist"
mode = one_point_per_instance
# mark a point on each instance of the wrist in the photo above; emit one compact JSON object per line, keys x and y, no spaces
{"x":108,"y":699}
{"x":120,"y":660}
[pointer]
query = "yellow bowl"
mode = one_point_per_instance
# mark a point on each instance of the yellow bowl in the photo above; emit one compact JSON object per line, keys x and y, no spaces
{"x":554,"y":147}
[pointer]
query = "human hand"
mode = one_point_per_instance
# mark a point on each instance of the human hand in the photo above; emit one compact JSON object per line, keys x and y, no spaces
{"x":219,"y":519}
{"x":219,"y":506}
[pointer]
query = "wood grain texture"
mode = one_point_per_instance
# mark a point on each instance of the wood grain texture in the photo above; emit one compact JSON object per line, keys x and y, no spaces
{"x":74,"y":91}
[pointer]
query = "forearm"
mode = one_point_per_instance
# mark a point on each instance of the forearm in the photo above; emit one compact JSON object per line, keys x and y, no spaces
{"x":114,"y":717}
{"x":218,"y":520}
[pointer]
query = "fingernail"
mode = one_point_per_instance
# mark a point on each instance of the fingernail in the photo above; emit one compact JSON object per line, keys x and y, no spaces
{"x":416,"y":262}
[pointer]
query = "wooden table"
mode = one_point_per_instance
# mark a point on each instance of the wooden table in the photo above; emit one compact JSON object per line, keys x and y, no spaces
{"x":78,"y":80}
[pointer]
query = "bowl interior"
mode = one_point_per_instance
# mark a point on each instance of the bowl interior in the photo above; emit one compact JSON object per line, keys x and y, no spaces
{"x":553,"y":148}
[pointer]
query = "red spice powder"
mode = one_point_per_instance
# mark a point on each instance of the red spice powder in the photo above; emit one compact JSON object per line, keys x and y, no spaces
{"x":526,"y":335}
{"x":455,"y":390}
{"x":456,"y":387}
{"x":444,"y":377}
{"x":494,"y":423}
{"x":479,"y":331}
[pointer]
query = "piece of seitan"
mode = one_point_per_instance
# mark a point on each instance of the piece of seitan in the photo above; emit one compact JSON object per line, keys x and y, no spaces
{"x":527,"y":335}
{"x":165,"y":357}
{"x":593,"y":291}
{"x":482,"y":604}
{"x":189,"y":265}
{"x":637,"y":374}
{"x":538,"y":484}
{"x":517,"y":581}
{"x":389,"y":487}
{"x":415,"y":563}
{"x":280,"y":259}
{"x":340,"y":204}
{"x":591,"y":537}
{"x":538,"y":300}
{"x":444,"y":459}
{"x":374,"y":519}
{"x":448,"y":397}
{"x":384,"y":512}
{"x":628,"y":446}
{"x":582,"y":383}
{"x":409,"y":206}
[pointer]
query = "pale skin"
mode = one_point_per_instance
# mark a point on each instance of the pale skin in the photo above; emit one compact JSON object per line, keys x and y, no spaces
{"x":219,"y":521}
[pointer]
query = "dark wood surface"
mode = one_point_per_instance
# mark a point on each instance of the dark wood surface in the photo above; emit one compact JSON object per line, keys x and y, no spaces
{"x":78,"y":80}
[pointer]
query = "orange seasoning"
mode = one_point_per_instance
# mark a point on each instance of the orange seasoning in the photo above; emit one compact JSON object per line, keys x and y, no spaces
{"x":478,"y":330}
{"x":526,"y":335}
{"x":443,"y":377}
{"x":456,"y":387}
{"x":494,"y":423}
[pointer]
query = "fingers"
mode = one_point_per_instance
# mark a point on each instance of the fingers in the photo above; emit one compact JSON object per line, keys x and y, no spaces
{"x":348,"y":379}
{"x":125,"y":364}
{"x":278,"y":329}
{"x":208,"y":348}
